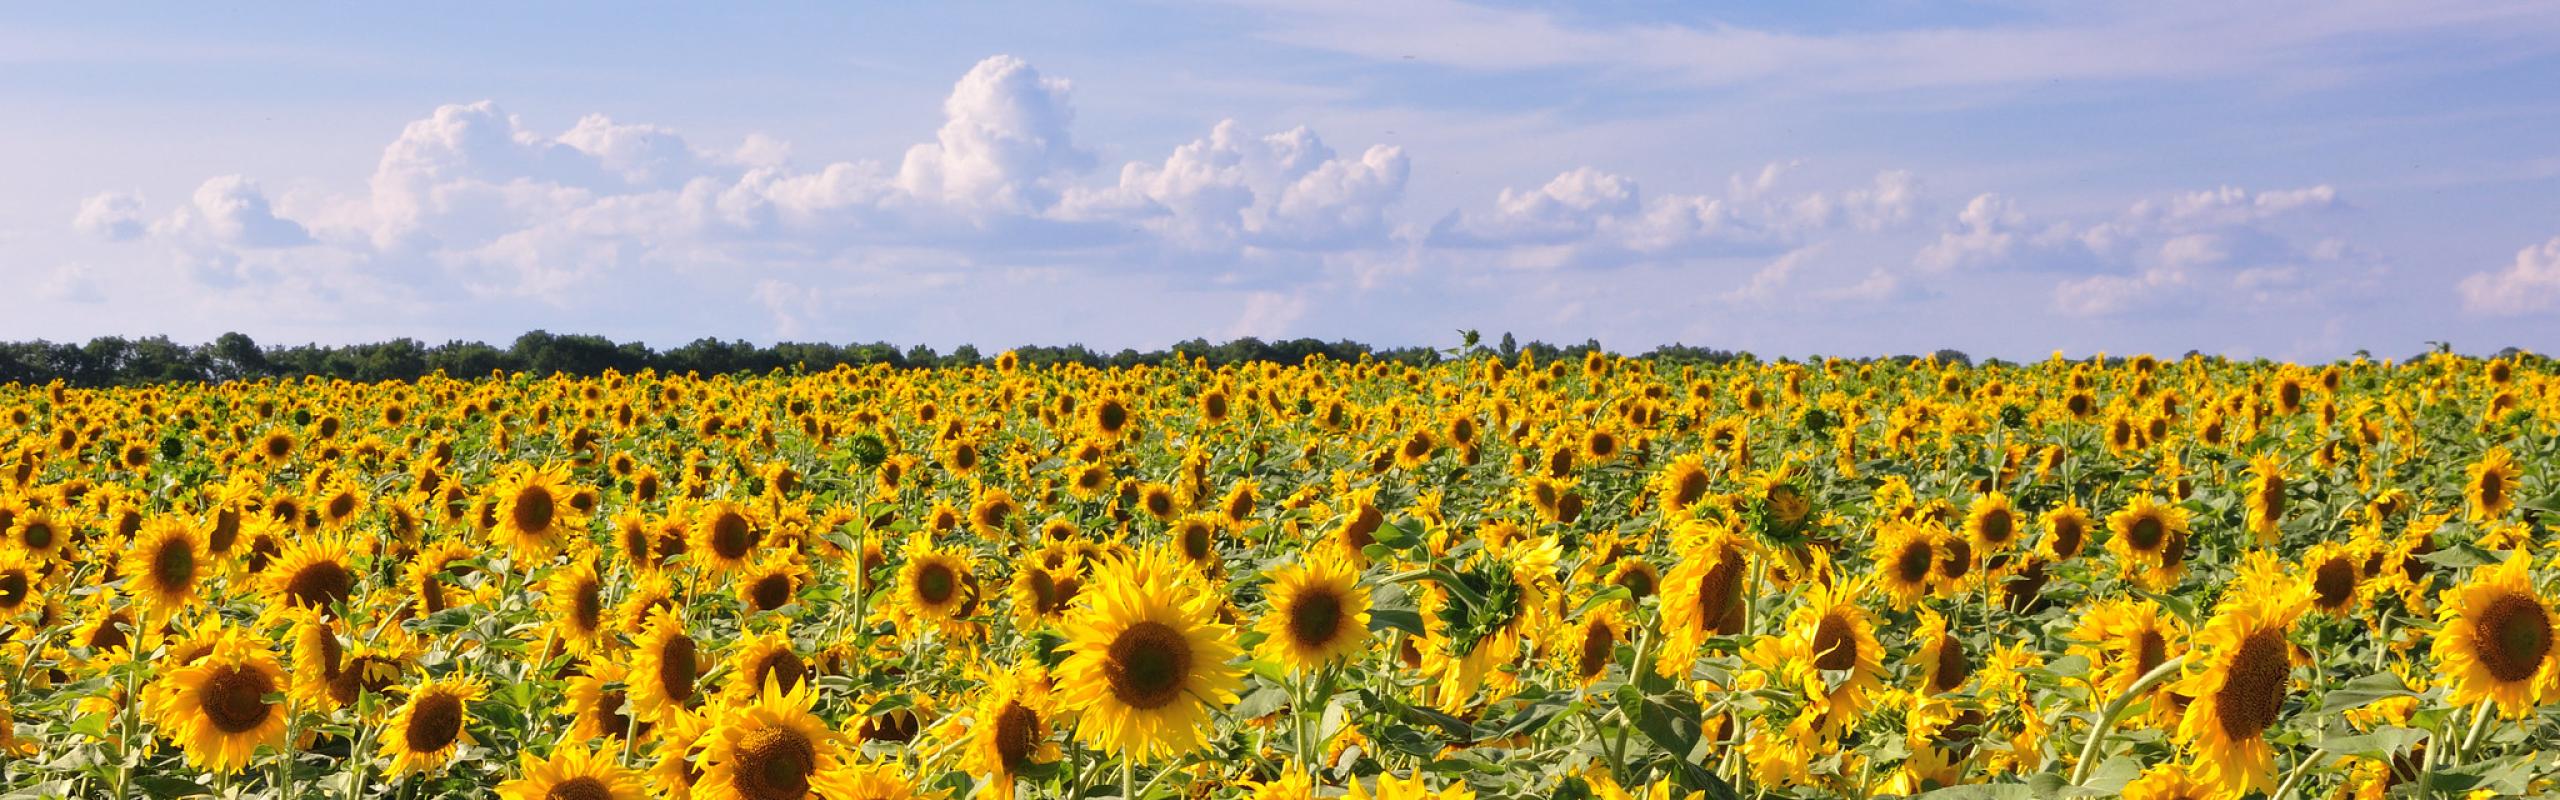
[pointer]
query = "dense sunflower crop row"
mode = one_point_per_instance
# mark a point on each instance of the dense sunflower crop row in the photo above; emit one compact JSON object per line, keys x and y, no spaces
{"x":1489,"y":578}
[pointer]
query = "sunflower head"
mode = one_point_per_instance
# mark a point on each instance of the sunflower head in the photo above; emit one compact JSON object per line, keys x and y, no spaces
{"x":428,"y":727}
{"x":1146,"y":659}
{"x":1319,"y":614}
{"x":2495,"y":639}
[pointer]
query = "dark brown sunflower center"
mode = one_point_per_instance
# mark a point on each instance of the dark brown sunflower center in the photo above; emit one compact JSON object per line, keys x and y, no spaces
{"x":1959,"y":560}
{"x":2253,"y":689}
{"x":1912,"y":564}
{"x":770,"y":592}
{"x":676,"y":668}
{"x":1315,"y":617}
{"x":2148,"y":652}
{"x":1835,"y":643}
{"x":2493,"y":489}
{"x":583,"y":787}
{"x":534,"y":509}
{"x":173,"y":566}
{"x":587,"y":606}
{"x":1638,"y":579}
{"x":2067,"y":535}
{"x":1112,"y":416}
{"x":774,"y":763}
{"x":1720,"y":595}
{"x":226,"y":531}
{"x":782,"y":669}
{"x":342,"y":506}
{"x":320,"y":584}
{"x":1147,"y":665}
{"x":1044,"y":590}
{"x":366,"y":674}
{"x":935,"y":583}
{"x":2512,"y":635}
{"x":2334,"y":583}
{"x":1017,"y":736}
{"x":434,"y":722}
{"x":1998,"y":526}
{"x":2146,"y":533}
{"x":13,"y":588}
{"x":36,"y":535}
{"x":235,"y":698}
{"x":730,"y":536}
{"x":610,"y":716}
{"x":1953,"y":666}
{"x":1599,"y":647}
{"x":1693,"y":485}
{"x":2271,"y":497}
{"x":110,"y":633}
{"x":1195,"y":541}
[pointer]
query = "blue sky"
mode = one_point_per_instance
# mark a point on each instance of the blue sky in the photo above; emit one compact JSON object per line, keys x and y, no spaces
{"x":2290,"y":180}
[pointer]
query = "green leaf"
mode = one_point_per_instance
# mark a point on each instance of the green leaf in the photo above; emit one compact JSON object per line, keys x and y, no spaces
{"x":2362,"y":691}
{"x":2380,"y":744}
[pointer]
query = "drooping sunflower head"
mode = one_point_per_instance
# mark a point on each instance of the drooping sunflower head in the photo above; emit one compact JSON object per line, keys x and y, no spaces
{"x":433,"y":721}
{"x":666,"y":661}
{"x":1702,"y":597}
{"x":2125,"y":639}
{"x":2495,"y":639}
{"x":1318,"y":615}
{"x":2265,"y":496}
{"x":1944,"y":665}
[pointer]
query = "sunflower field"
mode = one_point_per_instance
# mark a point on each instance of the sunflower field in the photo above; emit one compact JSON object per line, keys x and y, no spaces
{"x":1483,"y":578}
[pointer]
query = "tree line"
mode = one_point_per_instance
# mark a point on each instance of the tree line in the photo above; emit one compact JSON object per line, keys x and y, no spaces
{"x":120,"y":361}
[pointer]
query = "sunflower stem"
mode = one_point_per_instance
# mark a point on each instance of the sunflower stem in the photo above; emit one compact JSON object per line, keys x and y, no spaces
{"x":2480,"y":715}
{"x":2115,"y":709}
{"x":2293,"y":780}
{"x":1128,"y":778}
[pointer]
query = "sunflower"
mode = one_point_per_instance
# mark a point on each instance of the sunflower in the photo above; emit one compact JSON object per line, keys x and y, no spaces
{"x":576,"y":599}
{"x":164,"y":565}
{"x":1318,"y":615}
{"x":426,"y":729}
{"x":2123,"y":640}
{"x":771,"y":749}
{"x":935,"y":587}
{"x":573,"y":772}
{"x":2337,"y":578}
{"x":2145,"y":531}
{"x":312,"y":574}
{"x":1011,"y":730}
{"x":1835,"y":635}
{"x":2167,"y":782}
{"x":885,"y":781}
{"x":533,"y":515}
{"x":1906,"y":558}
{"x":217,"y":708}
{"x":1991,"y":523}
{"x":1195,"y":536}
{"x":2494,"y":639}
{"x":21,"y":583}
{"x":773,"y":582}
{"x":1703,"y":595}
{"x":1944,"y":667}
{"x":2266,"y":497}
{"x":763,"y":659}
{"x":2238,"y":675}
{"x":2490,"y":486}
{"x":1042,"y":590}
{"x":666,"y":661}
{"x":598,"y":705}
{"x":2066,"y":532}
{"x":994,"y":514}
{"x":39,"y":534}
{"x":1682,"y":483}
{"x":1390,"y":787}
{"x":1590,"y":645}
{"x":1147,"y":659}
{"x":725,"y":536}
